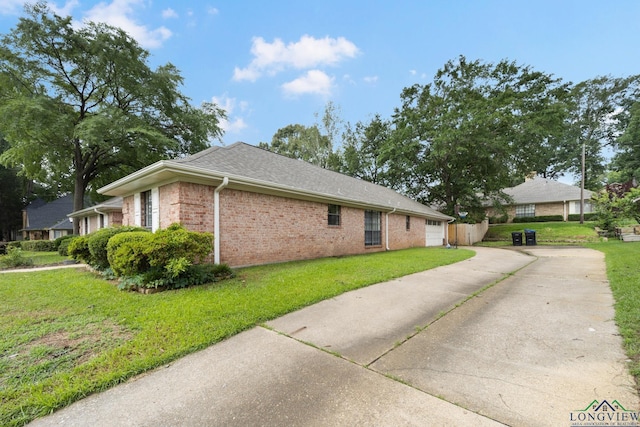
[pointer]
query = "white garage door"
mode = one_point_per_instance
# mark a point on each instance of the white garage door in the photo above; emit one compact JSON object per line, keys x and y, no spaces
{"x":435,"y":233}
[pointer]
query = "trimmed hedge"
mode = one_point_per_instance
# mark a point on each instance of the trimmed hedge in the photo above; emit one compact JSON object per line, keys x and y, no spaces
{"x":97,"y":244}
{"x":542,"y":218}
{"x":38,"y":245}
{"x":61,"y":239}
{"x":587,"y":217}
{"x":78,"y":249}
{"x":125,"y":252}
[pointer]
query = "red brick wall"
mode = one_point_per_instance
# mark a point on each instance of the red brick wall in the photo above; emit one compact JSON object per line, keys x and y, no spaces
{"x":259,"y":229}
{"x":128,"y":212}
{"x":400,"y":237}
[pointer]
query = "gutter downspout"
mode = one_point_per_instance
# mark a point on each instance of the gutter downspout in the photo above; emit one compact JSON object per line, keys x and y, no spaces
{"x":216,"y":219}
{"x":447,"y":237}
{"x":386,"y":228}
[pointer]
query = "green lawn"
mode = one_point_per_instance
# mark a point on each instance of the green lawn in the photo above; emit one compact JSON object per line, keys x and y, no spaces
{"x":624,"y":278}
{"x":65,"y":334}
{"x":553,"y":233}
{"x":41,"y":258}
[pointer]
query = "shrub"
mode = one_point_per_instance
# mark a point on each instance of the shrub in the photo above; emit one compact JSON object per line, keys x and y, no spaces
{"x":61,"y":239}
{"x":15,"y":258}
{"x":502,"y":219}
{"x":97,"y":243}
{"x":79,"y":249}
{"x":63,"y":248}
{"x":166,"y":258}
{"x":587,"y":217}
{"x":14,"y":244}
{"x":125,"y":252}
{"x":542,"y":218}
{"x":38,"y":245}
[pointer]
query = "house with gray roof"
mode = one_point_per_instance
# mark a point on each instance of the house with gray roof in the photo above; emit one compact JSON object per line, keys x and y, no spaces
{"x":539,"y":196}
{"x":263,"y":207}
{"x":100,"y":215}
{"x":47,"y":221}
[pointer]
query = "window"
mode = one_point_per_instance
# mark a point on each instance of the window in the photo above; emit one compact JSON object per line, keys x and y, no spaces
{"x":408,"y":223}
{"x":147,"y":209}
{"x":432,"y":222}
{"x":372,"y":233}
{"x":86,"y":225}
{"x":574,"y":207}
{"x":334,"y":215}
{"x":101,"y":221}
{"x":525,"y":210}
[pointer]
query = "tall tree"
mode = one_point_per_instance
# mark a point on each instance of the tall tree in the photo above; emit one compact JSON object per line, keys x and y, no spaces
{"x":474,"y":129}
{"x":626,"y":161}
{"x":82,"y":107}
{"x":601,"y":107}
{"x":362,"y":151}
{"x":301,"y":142}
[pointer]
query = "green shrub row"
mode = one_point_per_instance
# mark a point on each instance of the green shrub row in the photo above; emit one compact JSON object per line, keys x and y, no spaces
{"x":169,"y":258}
{"x":542,"y":218}
{"x":587,"y":217}
{"x":38,"y":245}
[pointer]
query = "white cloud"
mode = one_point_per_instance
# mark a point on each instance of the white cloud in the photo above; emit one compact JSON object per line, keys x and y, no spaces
{"x":12,"y":7}
{"x":308,"y":52}
{"x":313,"y":82}
{"x":119,"y":13}
{"x":169,"y":13}
{"x":232,"y":123}
{"x":212,"y":11}
{"x":413,"y":72}
{"x":371,"y":79}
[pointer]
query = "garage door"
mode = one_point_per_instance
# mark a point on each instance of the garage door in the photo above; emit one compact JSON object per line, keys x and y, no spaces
{"x":435,"y":233}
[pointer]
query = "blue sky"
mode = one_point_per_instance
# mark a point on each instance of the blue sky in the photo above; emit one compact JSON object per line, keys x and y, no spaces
{"x":274,"y":63}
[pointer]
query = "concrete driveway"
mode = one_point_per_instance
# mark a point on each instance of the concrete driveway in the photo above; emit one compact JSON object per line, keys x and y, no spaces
{"x":536,"y":348}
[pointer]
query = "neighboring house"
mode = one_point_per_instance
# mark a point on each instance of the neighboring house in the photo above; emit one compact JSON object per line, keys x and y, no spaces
{"x":543,"y":197}
{"x":105,"y":214}
{"x":47,"y":221}
{"x":263,"y":207}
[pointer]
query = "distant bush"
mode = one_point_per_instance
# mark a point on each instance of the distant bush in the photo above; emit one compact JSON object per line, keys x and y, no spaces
{"x":501,"y":219}
{"x":15,"y":258}
{"x":14,"y":244}
{"x":38,"y":245}
{"x":59,"y":240}
{"x":63,"y":247}
{"x":542,"y":218}
{"x":587,"y":217}
{"x":78,"y":249}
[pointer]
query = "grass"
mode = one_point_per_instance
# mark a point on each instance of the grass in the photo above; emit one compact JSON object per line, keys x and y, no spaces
{"x":41,"y":258}
{"x":624,"y":279}
{"x":65,"y":334}
{"x":548,"y":233}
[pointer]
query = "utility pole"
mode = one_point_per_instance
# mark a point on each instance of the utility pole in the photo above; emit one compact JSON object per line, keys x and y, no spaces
{"x":582,"y":187}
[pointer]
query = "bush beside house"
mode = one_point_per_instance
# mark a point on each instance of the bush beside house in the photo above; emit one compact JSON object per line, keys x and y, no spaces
{"x":169,"y":258}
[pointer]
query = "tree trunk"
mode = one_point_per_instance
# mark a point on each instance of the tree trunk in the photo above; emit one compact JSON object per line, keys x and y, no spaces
{"x":78,"y":199}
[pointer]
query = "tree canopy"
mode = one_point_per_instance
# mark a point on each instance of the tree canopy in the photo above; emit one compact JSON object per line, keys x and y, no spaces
{"x":82,"y":107}
{"x":476,"y":129}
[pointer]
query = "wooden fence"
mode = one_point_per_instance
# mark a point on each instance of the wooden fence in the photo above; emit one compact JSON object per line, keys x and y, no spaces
{"x":467,"y":234}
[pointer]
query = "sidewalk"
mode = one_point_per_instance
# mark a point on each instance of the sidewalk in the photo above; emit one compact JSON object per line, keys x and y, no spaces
{"x":527,"y":351}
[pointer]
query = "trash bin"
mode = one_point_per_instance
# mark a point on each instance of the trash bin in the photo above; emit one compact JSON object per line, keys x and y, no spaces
{"x":516,"y":237}
{"x":530,"y":237}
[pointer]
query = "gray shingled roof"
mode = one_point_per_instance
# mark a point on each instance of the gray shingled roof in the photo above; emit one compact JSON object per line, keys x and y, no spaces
{"x":109,"y":205}
{"x":47,"y":216}
{"x":542,"y":190}
{"x":256,"y":169}
{"x":246,"y":160}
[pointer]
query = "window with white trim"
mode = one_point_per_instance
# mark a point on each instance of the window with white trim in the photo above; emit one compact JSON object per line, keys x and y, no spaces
{"x":333,"y":216}
{"x":525,"y":210}
{"x":372,"y":228}
{"x":146,"y":209}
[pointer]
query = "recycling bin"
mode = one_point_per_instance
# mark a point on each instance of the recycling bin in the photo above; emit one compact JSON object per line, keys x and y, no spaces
{"x":530,"y":237}
{"x":516,"y":238}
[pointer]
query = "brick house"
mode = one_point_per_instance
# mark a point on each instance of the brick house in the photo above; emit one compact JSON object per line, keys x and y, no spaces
{"x":47,"y":221}
{"x":105,"y":214}
{"x":539,"y":196}
{"x":263,"y":207}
